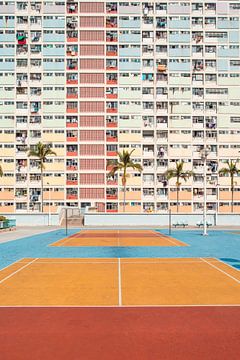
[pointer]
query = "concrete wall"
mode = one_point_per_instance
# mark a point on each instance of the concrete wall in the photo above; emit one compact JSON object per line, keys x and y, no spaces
{"x":33,"y":219}
{"x":127,"y":219}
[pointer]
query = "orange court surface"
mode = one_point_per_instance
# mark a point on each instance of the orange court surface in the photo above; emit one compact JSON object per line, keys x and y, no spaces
{"x":120,"y":294}
{"x":119,"y":282}
{"x":119,"y":238}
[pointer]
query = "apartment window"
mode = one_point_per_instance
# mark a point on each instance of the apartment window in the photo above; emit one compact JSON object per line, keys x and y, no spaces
{"x":235,"y":119}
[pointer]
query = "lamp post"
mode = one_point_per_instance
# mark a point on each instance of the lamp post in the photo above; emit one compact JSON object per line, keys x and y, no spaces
{"x":204,"y":152}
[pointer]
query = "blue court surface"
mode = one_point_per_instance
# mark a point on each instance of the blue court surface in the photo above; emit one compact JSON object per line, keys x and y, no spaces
{"x":224,"y":245}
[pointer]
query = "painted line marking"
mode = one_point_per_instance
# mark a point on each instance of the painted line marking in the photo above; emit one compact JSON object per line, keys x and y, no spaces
{"x":119,"y":283}
{"x":166,"y":237}
{"x":114,"y":262}
{"x":15,"y":262}
{"x":222,"y":271}
{"x":76,"y":263}
{"x":15,"y":272}
{"x":117,"y":307}
{"x":61,"y":241}
{"x":230,"y":266}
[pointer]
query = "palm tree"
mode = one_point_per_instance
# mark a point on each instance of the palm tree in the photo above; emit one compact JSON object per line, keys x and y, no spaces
{"x":41,"y":151}
{"x":179,"y":174}
{"x":231,"y":170}
{"x":1,"y":171}
{"x":123,"y":164}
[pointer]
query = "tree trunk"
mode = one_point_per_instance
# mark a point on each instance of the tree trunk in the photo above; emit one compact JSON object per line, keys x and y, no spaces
{"x":124,"y":198}
{"x":232,"y":190}
{"x":41,"y":189}
{"x":177,"y":197}
{"x":124,"y":183}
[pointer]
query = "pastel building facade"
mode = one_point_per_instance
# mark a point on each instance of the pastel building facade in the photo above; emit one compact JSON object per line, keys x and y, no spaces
{"x":92,"y":78}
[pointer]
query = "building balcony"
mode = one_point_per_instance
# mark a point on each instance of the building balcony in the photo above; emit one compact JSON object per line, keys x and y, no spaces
{"x":111,"y":139}
{"x":111,"y":81}
{"x":111,"y":8}
{"x":111,"y":68}
{"x":111,"y":96}
{"x":111,"y":196}
{"x":130,"y":24}
{"x":72,"y":196}
{"x":72,"y":139}
{"x":148,"y":139}
{"x":110,"y":38}
{"x":111,"y":24}
{"x":111,"y":153}
{"x":72,"y":39}
{"x":112,"y":124}
{"x":111,"y":53}
{"x":72,"y":110}
{"x":71,"y":182}
{"x":72,"y":67}
{"x":72,"y":153}
{"x":72,"y":81}
{"x":112,"y":110}
{"x":9,"y":209}
{"x":72,"y":167}
{"x":112,"y":182}
{"x":72,"y":125}
{"x":72,"y":96}
{"x":7,"y":9}
{"x":71,"y":53}
{"x":72,"y":8}
{"x":6,"y":195}
{"x":53,"y":9}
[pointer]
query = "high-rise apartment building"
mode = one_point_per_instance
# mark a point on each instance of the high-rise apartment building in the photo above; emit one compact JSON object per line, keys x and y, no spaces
{"x":95,"y":77}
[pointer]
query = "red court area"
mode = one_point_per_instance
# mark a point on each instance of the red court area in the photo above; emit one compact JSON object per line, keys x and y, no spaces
{"x":176,"y":333}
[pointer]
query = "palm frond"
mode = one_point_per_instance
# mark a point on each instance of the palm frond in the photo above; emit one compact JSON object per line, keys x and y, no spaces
{"x":170,"y":174}
{"x":33,"y":153}
{"x":178,"y":172}
{"x":224,"y":171}
{"x":49,"y":152}
{"x":115,"y":168}
{"x":134,"y":166}
{"x":137,"y":167}
{"x":41,"y":151}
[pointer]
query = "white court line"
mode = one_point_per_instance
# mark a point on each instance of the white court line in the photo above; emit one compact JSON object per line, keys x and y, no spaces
{"x":62,"y":243}
{"x":15,"y":272}
{"x":124,"y":262}
{"x":222,"y":271}
{"x":162,"y":262}
{"x":124,"y":306}
{"x":77,"y":263}
{"x":166,"y":237}
{"x":119,"y":283}
{"x":15,"y":262}
{"x":230,"y":266}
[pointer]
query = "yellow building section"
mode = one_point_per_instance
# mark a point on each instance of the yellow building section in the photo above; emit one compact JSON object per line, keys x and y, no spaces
{"x":119,"y":282}
{"x":118,"y":238}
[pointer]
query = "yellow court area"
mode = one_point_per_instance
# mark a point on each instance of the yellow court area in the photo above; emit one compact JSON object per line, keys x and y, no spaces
{"x":119,"y":238}
{"x":119,"y":282}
